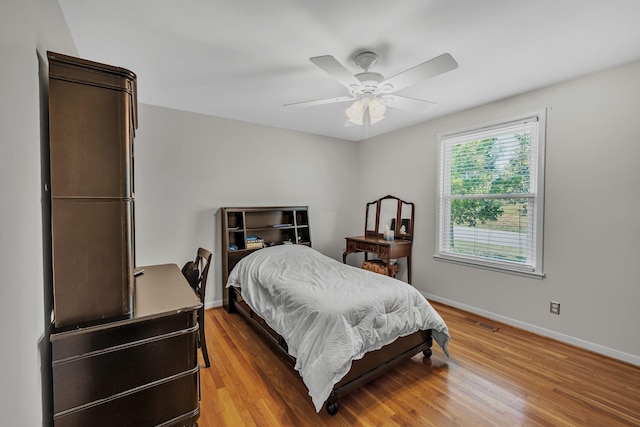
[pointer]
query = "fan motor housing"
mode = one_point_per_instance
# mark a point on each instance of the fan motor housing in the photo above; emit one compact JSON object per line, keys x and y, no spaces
{"x":366,"y":60}
{"x":370,"y":81}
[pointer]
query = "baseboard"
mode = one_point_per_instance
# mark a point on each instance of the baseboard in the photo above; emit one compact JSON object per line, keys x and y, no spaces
{"x":567,"y":339}
{"x":212,"y":304}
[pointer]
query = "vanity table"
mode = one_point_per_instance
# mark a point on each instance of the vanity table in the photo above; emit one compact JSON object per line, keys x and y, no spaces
{"x":387,"y":216}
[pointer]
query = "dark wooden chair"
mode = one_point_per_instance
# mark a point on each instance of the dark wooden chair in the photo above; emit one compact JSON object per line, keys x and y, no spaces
{"x":198,"y":282}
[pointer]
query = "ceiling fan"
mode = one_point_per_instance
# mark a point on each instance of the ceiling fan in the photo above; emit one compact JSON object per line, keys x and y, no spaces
{"x":371,"y":93}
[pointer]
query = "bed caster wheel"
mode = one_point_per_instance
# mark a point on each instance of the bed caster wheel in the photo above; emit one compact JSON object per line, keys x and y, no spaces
{"x":332,"y":408}
{"x":427,"y":353}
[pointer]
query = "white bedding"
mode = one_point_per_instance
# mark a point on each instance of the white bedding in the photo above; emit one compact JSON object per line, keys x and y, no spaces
{"x":329,"y":313}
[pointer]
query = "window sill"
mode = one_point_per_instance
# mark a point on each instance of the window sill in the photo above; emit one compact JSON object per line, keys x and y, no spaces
{"x":530,"y":274}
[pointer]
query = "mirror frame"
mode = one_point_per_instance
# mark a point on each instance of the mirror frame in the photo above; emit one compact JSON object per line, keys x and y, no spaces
{"x":374,"y":231}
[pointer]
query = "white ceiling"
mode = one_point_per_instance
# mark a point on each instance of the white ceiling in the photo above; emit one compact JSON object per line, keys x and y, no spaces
{"x":244,"y":59}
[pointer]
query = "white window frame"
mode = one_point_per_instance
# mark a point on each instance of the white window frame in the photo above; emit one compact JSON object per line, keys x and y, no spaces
{"x":443,"y":200}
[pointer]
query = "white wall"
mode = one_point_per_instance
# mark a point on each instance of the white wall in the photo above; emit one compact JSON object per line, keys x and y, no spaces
{"x":592,"y":202}
{"x":188,"y":166}
{"x":28,"y":28}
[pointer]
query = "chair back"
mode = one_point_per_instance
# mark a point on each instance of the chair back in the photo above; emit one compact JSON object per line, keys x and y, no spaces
{"x":203,"y":261}
{"x":196,"y":273}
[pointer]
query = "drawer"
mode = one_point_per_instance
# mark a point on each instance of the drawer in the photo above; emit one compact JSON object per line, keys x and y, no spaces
{"x":77,"y":342}
{"x":150,"y":406}
{"x":99,"y":375}
{"x":367,"y":247}
{"x":383,"y":251}
{"x":266,"y":327}
{"x":243,"y":305}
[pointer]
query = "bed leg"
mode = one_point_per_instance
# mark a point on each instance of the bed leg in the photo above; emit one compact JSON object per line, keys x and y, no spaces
{"x":427,"y":353}
{"x":332,"y":404}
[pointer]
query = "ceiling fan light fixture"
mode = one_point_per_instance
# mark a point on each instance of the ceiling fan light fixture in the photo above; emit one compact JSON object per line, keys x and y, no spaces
{"x":365,"y":87}
{"x":366,"y":104}
{"x":374,"y":120}
{"x":376,"y":110}
{"x":355,"y":112}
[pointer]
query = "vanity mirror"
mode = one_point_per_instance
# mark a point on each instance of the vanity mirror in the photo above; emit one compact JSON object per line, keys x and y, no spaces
{"x":392,"y":214}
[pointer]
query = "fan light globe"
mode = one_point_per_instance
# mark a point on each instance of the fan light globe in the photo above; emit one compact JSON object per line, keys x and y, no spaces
{"x":355,"y":112}
{"x":376,"y":110}
{"x":370,"y":104}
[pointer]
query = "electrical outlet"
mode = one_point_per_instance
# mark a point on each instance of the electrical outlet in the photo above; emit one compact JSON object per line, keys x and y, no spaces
{"x":554,"y":307}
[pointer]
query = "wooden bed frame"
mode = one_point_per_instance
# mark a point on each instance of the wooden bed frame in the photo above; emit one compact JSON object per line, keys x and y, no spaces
{"x":371,"y":366}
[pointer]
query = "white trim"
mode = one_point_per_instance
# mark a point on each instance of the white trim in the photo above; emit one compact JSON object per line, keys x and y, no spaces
{"x":539,"y":223}
{"x":492,"y":196}
{"x":567,"y":339}
{"x":212,"y":304}
{"x":518,"y":271}
{"x":493,"y":124}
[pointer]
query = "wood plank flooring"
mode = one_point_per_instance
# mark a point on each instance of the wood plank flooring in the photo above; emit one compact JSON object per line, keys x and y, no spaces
{"x":497,"y":375}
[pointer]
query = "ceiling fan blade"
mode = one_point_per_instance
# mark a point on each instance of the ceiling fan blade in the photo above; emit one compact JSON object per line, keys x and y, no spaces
{"x":319,"y":102}
{"x":410,"y":104}
{"x":433,"y":67}
{"x":336,"y":70}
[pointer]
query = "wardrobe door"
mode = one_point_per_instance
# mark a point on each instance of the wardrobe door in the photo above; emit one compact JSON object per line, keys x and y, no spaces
{"x":91,"y":120}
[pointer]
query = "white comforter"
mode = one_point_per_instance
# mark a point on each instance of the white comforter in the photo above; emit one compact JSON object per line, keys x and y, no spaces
{"x":330,"y":314}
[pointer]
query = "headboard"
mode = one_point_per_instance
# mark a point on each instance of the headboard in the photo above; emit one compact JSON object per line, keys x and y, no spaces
{"x":248,"y":229}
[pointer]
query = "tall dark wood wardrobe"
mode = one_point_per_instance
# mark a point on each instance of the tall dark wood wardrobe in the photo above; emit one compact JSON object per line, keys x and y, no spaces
{"x":124,"y":348}
{"x":92,"y":116}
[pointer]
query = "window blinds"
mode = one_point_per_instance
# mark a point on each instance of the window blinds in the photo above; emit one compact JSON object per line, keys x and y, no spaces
{"x":488,"y":195}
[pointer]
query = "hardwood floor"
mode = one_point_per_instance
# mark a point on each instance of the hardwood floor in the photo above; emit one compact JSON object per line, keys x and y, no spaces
{"x":497,"y":375}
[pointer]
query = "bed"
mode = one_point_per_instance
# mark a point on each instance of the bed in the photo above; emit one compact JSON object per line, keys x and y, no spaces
{"x":294,"y":296}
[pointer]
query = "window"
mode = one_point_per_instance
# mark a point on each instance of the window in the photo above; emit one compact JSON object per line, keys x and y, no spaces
{"x":490,"y":195}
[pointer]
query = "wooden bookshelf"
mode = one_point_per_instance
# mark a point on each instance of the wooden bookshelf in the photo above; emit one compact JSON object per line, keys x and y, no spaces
{"x":271,"y":225}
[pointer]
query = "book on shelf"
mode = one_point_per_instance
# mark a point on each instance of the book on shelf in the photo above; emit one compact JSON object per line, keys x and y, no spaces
{"x":254,"y":242}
